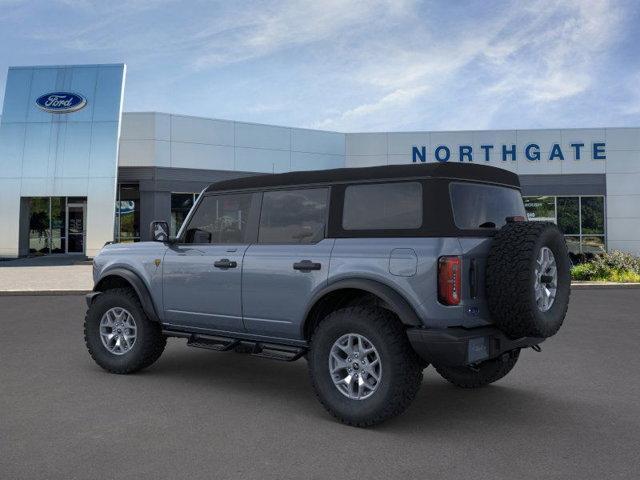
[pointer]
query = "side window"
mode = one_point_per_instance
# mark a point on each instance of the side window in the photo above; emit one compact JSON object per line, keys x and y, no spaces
{"x":293,"y":216}
{"x":383,"y":206}
{"x":220,"y":219}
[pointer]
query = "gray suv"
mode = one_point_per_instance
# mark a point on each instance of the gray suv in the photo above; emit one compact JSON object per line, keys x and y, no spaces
{"x":370,"y":274}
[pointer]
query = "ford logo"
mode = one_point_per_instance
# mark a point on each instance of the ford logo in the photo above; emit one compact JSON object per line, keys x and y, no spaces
{"x":61,"y":102}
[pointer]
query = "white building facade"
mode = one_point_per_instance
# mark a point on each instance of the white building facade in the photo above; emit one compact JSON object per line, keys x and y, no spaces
{"x":151,"y":166}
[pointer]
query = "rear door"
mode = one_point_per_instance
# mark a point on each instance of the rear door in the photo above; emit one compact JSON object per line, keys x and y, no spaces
{"x":480,"y":210}
{"x":202,"y":275}
{"x":289,"y":263}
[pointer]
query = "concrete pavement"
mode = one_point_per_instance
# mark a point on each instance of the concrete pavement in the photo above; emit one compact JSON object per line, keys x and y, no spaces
{"x":46,"y":275}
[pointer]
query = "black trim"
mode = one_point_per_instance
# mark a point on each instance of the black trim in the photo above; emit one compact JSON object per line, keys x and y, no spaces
{"x":182,"y":331}
{"x":437,"y":215}
{"x":307,"y":266}
{"x":393,"y":299}
{"x":451,"y":346}
{"x":435,"y":179}
{"x":138,"y":285}
{"x":460,"y":171}
{"x":89,"y":298}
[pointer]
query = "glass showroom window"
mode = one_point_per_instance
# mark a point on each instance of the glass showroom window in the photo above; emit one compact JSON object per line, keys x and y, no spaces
{"x":50,"y":222}
{"x":127,"y":226}
{"x":580,"y":218}
{"x":40,"y":225}
{"x":181,"y":203}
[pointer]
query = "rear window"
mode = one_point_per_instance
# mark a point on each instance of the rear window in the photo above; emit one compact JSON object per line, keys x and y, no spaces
{"x":383,"y":206}
{"x":478,"y":206}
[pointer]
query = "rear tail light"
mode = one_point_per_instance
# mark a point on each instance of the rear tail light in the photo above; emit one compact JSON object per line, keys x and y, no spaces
{"x":449,"y":274}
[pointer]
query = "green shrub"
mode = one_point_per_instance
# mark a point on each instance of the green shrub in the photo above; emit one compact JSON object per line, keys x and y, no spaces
{"x":616,"y":260}
{"x":614,"y":266}
{"x":583,"y":271}
{"x":624,"y":276}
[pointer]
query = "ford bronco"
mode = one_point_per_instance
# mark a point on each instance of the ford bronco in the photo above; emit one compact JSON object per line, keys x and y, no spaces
{"x":370,"y":274}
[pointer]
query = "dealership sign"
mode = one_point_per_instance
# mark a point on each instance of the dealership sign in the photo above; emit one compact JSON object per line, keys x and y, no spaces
{"x":531,"y":152}
{"x":61,"y":102}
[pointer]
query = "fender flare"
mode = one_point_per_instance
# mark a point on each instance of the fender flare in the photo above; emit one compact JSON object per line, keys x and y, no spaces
{"x":397,"y":303}
{"x":138,"y":285}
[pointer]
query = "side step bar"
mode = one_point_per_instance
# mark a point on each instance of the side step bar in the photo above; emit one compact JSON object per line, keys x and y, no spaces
{"x":279,"y":352}
{"x":220,"y":344}
{"x":274,"y":351}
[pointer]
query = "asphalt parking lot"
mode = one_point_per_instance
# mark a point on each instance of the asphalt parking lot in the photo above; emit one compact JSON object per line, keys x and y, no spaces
{"x":572,"y":411}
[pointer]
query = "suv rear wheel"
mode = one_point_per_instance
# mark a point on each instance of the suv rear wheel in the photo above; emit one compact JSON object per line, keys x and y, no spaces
{"x":482,"y":374}
{"x":362,"y":366}
{"x":119,"y":336}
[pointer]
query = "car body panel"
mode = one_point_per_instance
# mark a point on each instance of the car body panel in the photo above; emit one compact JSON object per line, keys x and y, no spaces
{"x":275,"y":296}
{"x":369,"y":258}
{"x":197,"y":293}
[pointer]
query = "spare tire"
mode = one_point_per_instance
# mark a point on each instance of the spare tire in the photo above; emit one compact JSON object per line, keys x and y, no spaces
{"x":528,"y":280}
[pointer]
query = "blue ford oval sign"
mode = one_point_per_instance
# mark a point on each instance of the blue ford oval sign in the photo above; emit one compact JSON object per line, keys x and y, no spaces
{"x":61,"y":102}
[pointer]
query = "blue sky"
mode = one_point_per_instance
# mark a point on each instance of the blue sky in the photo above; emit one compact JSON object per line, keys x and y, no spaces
{"x":372,"y":65}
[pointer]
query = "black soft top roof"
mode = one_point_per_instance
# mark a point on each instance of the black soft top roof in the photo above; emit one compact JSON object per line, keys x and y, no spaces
{"x":461,"y":171}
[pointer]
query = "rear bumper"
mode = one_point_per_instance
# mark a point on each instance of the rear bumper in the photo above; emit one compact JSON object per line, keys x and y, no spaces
{"x":459,"y":346}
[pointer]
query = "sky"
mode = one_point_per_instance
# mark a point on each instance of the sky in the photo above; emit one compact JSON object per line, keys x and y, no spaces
{"x":351,"y":66}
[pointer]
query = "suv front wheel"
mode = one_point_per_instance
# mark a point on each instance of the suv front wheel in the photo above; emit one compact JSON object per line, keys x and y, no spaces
{"x":119,"y":336}
{"x":362,"y":366}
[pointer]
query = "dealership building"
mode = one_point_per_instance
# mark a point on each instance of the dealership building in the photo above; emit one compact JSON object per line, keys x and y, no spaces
{"x":76,"y":171}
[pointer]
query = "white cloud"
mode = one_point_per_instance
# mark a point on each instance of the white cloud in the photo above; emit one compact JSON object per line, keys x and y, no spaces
{"x":550,"y":57}
{"x":542,"y":52}
{"x":286,"y":24}
{"x":398,"y":98}
{"x":349,"y":64}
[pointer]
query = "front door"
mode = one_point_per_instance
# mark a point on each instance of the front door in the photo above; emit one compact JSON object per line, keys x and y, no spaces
{"x":76,"y":230}
{"x":202,"y":272}
{"x":288,"y":264}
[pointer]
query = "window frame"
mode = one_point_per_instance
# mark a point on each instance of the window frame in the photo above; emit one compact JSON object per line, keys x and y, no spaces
{"x":117,"y":233}
{"x":437,"y":211}
{"x":328,"y":196}
{"x":195,"y":195}
{"x":580,"y":235}
{"x":251,"y":231}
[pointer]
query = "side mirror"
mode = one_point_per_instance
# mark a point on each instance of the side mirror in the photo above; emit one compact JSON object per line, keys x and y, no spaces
{"x":159,"y":231}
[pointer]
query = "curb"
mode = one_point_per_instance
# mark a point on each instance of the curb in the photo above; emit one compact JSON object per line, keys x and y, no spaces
{"x":41,"y":293}
{"x":602,"y":285}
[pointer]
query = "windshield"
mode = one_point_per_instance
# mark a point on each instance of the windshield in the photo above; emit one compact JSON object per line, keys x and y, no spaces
{"x":477,"y":206}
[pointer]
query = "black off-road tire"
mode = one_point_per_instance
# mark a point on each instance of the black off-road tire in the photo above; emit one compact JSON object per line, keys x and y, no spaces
{"x":149,"y":343}
{"x":401,"y":370}
{"x":482,"y":374}
{"x":510,"y":279}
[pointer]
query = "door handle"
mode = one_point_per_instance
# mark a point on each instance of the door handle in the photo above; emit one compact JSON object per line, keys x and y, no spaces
{"x":225,"y":263}
{"x":306,"y":265}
